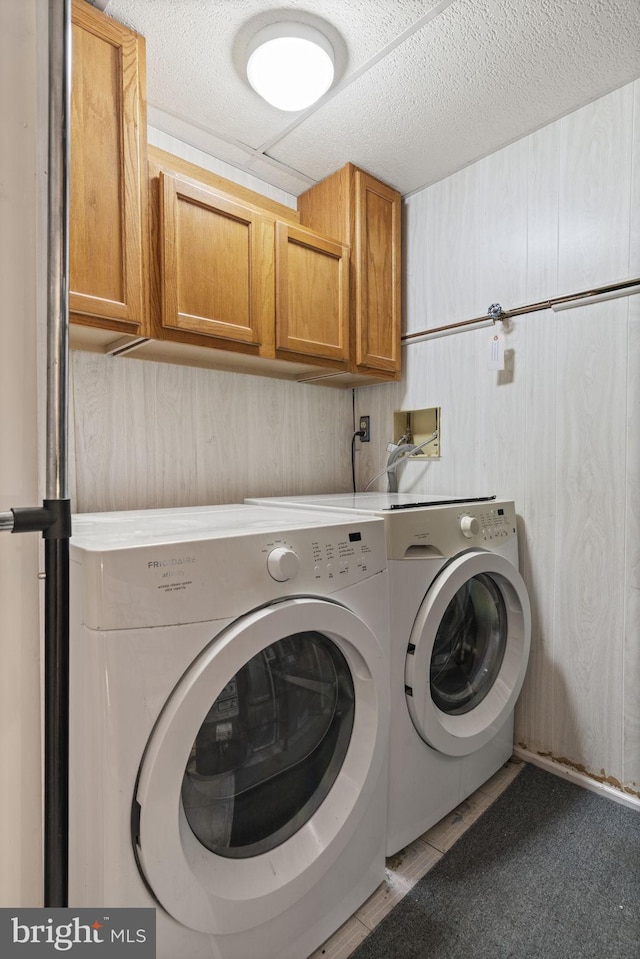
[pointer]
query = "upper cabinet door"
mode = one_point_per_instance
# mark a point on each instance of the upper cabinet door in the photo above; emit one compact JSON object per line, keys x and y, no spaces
{"x":377,"y":294}
{"x":312,"y":294}
{"x":216,"y":263}
{"x":108,"y":180}
{"x":360,"y":210}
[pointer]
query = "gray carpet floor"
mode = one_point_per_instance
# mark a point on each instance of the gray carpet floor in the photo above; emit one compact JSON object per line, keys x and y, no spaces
{"x":550,"y":871}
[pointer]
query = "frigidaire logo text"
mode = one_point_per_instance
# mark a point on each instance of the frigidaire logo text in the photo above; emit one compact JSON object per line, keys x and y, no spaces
{"x":66,"y":935}
{"x":174,"y":561}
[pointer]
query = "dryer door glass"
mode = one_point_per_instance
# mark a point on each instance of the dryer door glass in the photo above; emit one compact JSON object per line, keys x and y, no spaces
{"x":469,"y":646}
{"x":270,"y":747}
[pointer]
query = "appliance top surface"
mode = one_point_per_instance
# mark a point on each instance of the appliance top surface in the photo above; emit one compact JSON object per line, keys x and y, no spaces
{"x":377,"y":503}
{"x":117,"y":530}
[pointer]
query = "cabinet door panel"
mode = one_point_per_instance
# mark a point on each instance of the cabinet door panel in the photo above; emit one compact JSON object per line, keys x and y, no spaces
{"x":106,"y":179}
{"x":312,"y":294}
{"x":216,"y":263}
{"x":377,"y":298}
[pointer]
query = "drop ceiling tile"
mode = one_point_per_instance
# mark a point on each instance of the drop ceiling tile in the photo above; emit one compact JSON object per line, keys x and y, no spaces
{"x":424,"y":88}
{"x":465,"y":86}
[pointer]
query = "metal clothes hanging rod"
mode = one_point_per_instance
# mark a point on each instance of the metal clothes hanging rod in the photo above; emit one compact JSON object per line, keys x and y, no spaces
{"x":496,"y":313}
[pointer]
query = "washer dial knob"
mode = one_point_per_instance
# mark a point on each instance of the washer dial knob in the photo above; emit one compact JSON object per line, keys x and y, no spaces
{"x":282,"y":563}
{"x":469,"y":526}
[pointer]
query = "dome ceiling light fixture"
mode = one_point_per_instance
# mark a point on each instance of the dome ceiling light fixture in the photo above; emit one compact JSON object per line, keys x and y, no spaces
{"x":290,"y":65}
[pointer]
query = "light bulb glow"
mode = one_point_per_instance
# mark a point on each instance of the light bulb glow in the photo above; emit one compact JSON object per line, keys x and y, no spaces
{"x":290,"y":72}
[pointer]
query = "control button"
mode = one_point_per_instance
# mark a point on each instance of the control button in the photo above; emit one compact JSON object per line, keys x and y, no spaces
{"x":469,"y":526}
{"x":282,"y":564}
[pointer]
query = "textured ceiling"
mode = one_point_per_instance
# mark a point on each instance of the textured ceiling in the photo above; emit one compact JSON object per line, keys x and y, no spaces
{"x":423,"y":88}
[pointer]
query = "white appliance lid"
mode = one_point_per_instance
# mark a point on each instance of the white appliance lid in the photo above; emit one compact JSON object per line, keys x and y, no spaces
{"x":371,"y":502}
{"x":115,"y":530}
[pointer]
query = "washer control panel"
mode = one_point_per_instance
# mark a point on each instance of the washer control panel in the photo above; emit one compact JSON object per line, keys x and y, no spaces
{"x":443,"y":531}
{"x":340,"y":556}
{"x":496,"y":523}
{"x":217,"y":562}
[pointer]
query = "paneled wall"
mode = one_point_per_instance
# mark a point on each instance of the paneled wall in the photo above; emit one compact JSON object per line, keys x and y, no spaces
{"x":557,"y":430}
{"x":151,"y":435}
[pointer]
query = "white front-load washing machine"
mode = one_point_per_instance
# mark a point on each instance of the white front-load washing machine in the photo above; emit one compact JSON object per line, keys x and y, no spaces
{"x":229,"y":723}
{"x":460,"y":636}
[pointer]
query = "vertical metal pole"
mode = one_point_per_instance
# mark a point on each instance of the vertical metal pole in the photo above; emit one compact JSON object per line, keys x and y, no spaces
{"x":56,"y":656}
{"x":58,"y":247}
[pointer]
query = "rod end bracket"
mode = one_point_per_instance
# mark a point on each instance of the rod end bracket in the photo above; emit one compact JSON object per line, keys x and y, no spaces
{"x":52,"y":519}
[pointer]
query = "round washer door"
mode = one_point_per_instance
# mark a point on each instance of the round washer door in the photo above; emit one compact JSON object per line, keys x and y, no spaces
{"x":261,"y":763}
{"x":468,"y":652}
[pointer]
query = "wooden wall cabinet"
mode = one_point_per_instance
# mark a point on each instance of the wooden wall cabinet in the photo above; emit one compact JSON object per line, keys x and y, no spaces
{"x":365,"y":213}
{"x":108,"y":176}
{"x":230,"y":274}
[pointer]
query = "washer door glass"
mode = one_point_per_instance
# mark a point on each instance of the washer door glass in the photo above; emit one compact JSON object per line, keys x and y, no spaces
{"x":270,"y":747}
{"x":469,"y":646}
{"x":468,"y":652}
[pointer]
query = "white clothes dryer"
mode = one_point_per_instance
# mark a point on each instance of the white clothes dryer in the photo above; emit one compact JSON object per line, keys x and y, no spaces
{"x":229,"y":723}
{"x":460,"y":637}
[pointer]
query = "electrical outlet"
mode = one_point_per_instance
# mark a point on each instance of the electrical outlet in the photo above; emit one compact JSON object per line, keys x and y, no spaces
{"x":364,"y":428}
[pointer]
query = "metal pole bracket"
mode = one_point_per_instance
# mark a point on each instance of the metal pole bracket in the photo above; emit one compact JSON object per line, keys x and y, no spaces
{"x":52,"y":519}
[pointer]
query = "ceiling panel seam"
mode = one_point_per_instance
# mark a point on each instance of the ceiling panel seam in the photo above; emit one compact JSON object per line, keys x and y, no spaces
{"x":434,"y":12}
